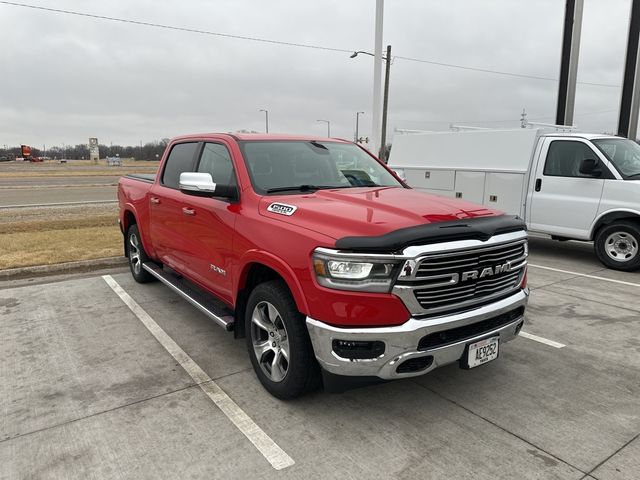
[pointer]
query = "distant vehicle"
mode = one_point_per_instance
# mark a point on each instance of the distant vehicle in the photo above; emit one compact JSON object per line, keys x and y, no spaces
{"x":4,"y":159}
{"x":572,"y":186}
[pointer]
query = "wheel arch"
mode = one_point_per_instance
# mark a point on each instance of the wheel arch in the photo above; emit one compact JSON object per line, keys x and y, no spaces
{"x":610,"y":217}
{"x":259,"y":268}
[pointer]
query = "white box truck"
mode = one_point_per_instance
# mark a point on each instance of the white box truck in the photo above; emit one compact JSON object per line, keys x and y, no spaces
{"x":572,"y":186}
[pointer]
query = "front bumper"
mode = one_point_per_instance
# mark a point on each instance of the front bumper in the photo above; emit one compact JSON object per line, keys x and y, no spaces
{"x":401,"y":342}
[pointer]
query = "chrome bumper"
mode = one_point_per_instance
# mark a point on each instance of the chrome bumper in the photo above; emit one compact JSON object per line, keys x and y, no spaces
{"x":401,"y":342}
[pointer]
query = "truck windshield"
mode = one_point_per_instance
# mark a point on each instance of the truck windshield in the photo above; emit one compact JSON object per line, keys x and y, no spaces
{"x":623,"y":153}
{"x":303,"y":166}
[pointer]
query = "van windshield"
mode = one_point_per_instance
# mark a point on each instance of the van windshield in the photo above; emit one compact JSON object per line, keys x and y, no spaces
{"x":297,"y":166}
{"x":623,"y":153}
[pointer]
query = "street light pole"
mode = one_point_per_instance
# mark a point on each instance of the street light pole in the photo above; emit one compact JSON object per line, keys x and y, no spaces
{"x":328,"y":126}
{"x":382,"y":150}
{"x":356,"y":135}
{"x":383,"y":140}
{"x":266,"y":119}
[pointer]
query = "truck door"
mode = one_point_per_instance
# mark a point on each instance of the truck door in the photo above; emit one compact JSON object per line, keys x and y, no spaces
{"x":561,"y":200}
{"x":167,"y":225}
{"x":210,"y":222}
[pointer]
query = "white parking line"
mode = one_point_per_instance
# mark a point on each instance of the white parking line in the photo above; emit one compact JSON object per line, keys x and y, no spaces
{"x":585,"y":275}
{"x":267,"y":447}
{"x":536,"y":338}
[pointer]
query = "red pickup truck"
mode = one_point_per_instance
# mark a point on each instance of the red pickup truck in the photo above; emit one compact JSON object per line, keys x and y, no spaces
{"x":327,"y":263}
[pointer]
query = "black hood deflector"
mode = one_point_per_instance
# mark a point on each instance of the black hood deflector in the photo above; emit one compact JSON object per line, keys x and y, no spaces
{"x":478,"y":228}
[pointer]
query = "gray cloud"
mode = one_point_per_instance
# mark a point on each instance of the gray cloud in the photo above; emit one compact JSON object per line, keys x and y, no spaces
{"x":67,"y":78}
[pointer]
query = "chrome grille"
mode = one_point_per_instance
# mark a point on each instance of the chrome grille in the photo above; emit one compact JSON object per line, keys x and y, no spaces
{"x":444,"y":281}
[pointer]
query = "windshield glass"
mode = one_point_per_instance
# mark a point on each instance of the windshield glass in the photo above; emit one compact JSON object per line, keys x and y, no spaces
{"x":302,"y":166}
{"x":623,"y":153}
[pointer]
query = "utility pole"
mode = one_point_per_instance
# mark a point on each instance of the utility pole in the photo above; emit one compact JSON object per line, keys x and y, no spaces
{"x":628,"y":119}
{"x":355,"y":138}
{"x":377,"y":76}
{"x":383,"y":140}
{"x":523,"y":119}
{"x":266,"y":119}
{"x":328,"y":126}
{"x":569,"y":61}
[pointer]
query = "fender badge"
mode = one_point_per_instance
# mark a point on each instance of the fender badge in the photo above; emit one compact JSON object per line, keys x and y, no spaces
{"x":282,"y":209}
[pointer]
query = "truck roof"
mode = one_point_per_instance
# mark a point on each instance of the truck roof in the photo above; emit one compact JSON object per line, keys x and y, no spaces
{"x":262,"y":137}
{"x":587,"y":136}
{"x":504,"y":150}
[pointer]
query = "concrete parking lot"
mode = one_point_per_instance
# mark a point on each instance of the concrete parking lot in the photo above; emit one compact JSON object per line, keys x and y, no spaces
{"x":87,"y":391}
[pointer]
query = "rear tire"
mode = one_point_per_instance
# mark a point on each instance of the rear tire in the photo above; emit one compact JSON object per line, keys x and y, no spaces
{"x":618,"y":246}
{"x":137,"y":256}
{"x":278,"y":342}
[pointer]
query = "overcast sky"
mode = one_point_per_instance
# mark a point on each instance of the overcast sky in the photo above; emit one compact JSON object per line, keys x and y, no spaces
{"x":65,"y":78}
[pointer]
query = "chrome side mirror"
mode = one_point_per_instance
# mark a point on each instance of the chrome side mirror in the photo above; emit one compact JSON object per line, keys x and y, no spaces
{"x":196,"y":182}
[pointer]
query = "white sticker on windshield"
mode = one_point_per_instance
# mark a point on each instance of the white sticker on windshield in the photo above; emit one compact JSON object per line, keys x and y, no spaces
{"x":282,"y":208}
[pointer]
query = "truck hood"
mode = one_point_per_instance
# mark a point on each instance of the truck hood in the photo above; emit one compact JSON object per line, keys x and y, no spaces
{"x":367,"y":211}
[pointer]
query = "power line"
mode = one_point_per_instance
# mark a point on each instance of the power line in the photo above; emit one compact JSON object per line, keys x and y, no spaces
{"x":505,"y":120}
{"x":498,"y":72}
{"x":180,"y":29}
{"x":290,"y":44}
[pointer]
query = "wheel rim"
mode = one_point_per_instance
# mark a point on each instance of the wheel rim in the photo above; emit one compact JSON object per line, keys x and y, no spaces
{"x":621,"y":247}
{"x":134,"y":253}
{"x":270,"y":341}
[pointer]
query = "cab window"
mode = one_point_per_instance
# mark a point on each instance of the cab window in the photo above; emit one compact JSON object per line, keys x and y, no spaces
{"x":181,"y":159}
{"x":565,"y":157}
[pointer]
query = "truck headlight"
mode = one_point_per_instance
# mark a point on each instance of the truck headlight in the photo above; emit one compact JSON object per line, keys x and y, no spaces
{"x":340,"y":272}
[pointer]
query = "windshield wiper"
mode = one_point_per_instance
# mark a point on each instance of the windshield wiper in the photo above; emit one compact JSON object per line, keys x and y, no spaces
{"x":305,"y":188}
{"x":633,"y":176}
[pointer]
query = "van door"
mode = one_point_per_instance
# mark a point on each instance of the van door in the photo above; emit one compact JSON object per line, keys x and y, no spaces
{"x":561,"y":200}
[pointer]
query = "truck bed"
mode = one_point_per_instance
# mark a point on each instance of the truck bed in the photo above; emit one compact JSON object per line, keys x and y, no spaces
{"x":142,"y":177}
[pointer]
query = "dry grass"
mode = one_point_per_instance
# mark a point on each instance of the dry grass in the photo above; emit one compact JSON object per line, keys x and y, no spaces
{"x":58,"y":246}
{"x":46,"y":242}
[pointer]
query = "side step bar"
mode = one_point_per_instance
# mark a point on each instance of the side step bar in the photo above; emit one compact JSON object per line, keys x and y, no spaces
{"x":212,"y":308}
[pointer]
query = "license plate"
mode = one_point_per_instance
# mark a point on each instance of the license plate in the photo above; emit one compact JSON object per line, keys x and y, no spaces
{"x":482,"y":351}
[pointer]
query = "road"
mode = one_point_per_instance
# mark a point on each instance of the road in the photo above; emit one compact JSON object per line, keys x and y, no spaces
{"x":90,"y":392}
{"x":52,"y":181}
{"x":39,"y":196}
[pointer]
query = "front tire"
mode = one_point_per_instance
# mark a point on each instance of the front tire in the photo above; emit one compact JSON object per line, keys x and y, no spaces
{"x":278,"y":342}
{"x":618,"y":246}
{"x":137,"y":256}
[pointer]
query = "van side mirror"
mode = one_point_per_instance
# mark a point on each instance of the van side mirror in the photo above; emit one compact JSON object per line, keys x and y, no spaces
{"x":589,"y":167}
{"x":202,"y":185}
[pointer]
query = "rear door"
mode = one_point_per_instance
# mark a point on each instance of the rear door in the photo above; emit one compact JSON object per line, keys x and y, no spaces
{"x":168,"y":227}
{"x":561,"y":200}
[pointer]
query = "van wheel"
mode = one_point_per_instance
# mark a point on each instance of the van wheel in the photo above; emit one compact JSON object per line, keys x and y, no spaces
{"x":137,"y":256}
{"x":618,"y":246}
{"x":278,"y":342}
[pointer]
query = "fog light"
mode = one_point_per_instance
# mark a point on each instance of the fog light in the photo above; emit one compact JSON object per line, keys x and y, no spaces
{"x":358,"y":349}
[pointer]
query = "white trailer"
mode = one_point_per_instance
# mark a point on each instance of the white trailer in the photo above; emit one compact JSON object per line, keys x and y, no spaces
{"x":568,"y":185}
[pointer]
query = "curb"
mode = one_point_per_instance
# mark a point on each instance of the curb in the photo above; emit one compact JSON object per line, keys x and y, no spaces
{"x":80,"y":266}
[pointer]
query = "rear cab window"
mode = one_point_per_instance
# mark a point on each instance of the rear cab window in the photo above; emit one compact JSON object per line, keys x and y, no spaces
{"x":180,"y":159}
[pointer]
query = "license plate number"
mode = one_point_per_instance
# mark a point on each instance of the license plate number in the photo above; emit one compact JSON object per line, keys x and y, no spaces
{"x":483,"y":351}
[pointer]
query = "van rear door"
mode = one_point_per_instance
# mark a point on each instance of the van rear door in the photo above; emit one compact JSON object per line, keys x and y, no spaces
{"x":561,"y":200}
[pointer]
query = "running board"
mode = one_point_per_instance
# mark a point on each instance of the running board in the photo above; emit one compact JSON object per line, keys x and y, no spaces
{"x":206,"y":303}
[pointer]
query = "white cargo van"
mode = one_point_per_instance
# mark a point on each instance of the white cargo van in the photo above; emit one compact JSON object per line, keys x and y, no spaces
{"x":568,"y":185}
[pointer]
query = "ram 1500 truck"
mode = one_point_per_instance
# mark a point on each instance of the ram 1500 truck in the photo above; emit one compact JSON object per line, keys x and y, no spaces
{"x":326,"y":262}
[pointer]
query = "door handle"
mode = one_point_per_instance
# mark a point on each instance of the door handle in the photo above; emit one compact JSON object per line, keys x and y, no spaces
{"x":538,"y":184}
{"x":154,"y":200}
{"x":188,"y":211}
